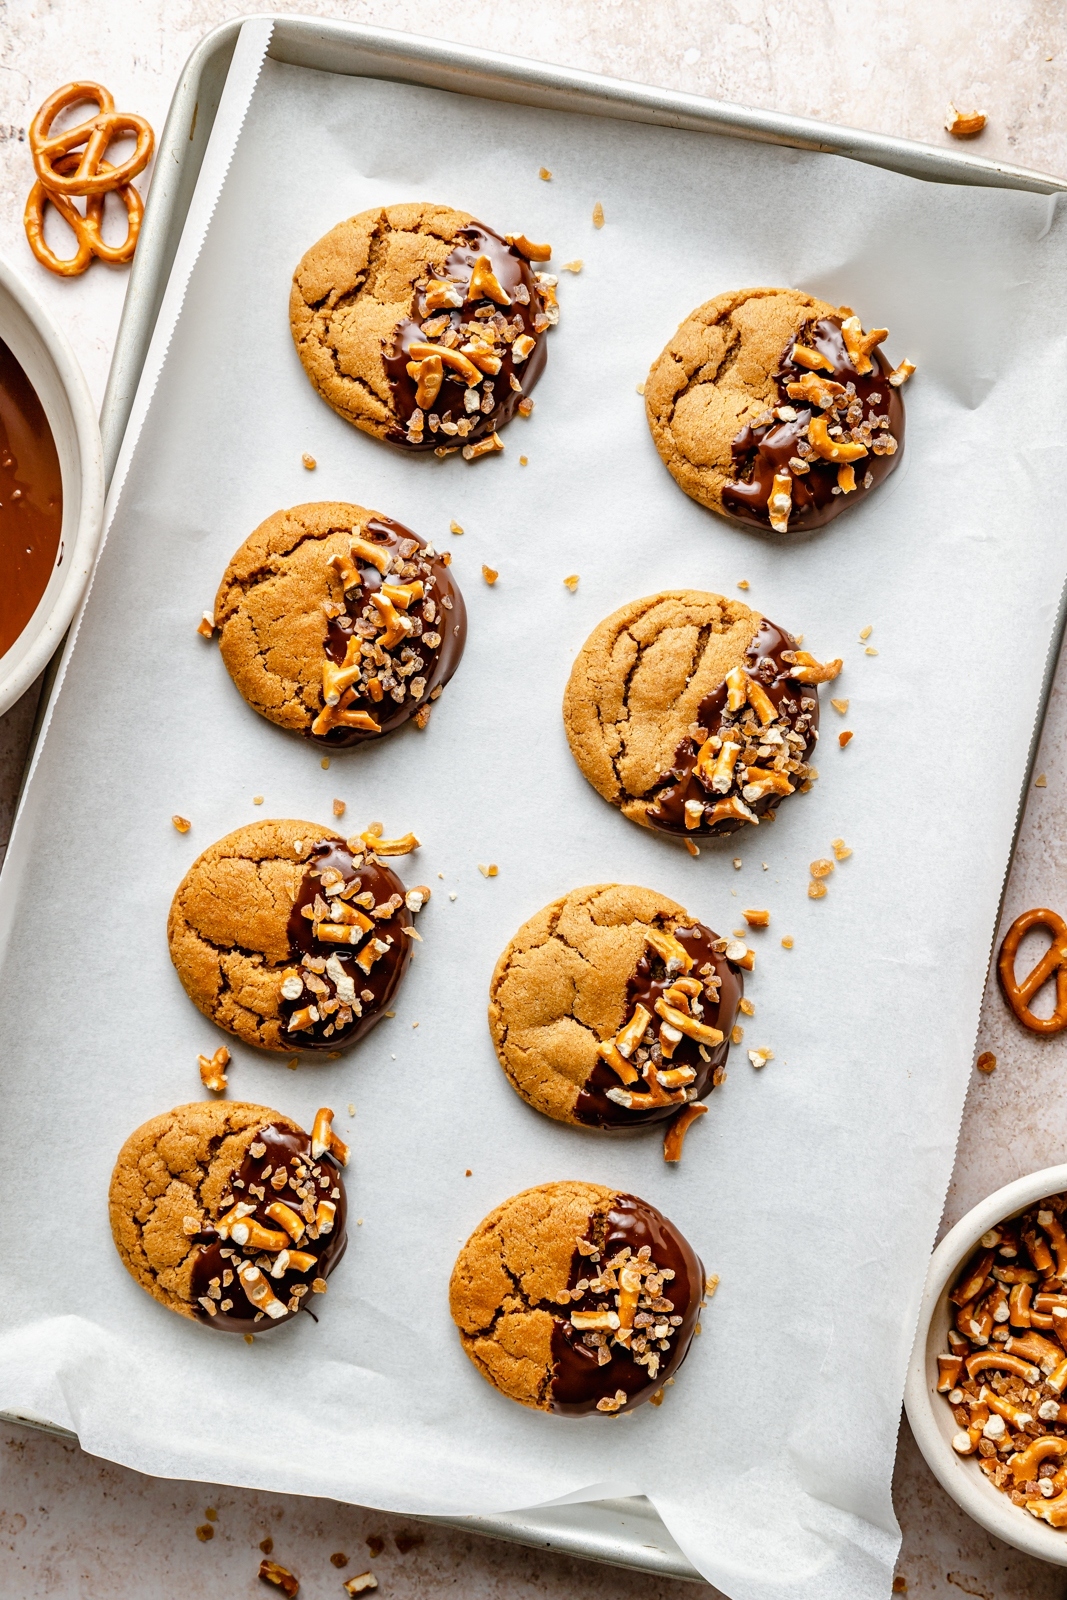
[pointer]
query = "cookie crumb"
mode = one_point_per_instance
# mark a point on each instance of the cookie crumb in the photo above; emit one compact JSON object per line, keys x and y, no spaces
{"x":544,"y":174}
{"x":205,"y":1532}
{"x":787,"y":943}
{"x":490,"y":871}
{"x":1040,"y":782}
{"x":640,"y":387}
{"x":598,"y":215}
{"x":454,"y":527}
{"x":206,"y":626}
{"x":840,"y":706}
{"x":257,"y":799}
{"x":181,"y":823}
{"x":309,"y":462}
{"x":338,"y":808}
{"x":844,"y":738}
{"x":694,"y":849}
{"x":571,"y":583}
{"x":743,"y":583}
{"x":490,"y":575}
{"x":865,"y":633}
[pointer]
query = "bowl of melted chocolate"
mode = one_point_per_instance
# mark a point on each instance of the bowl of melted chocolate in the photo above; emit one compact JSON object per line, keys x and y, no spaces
{"x":51,"y":486}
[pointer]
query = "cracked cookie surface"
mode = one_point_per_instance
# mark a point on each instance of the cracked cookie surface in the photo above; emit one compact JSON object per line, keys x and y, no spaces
{"x":287,"y":619}
{"x":233,"y":932}
{"x":172,"y":1203}
{"x":356,"y":309}
{"x":571,"y":979}
{"x":564,"y":1244}
{"x":714,"y":376}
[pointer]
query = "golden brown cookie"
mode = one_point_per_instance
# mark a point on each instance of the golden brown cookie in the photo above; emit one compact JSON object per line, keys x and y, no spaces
{"x":290,"y":938}
{"x":612,"y":1007}
{"x":776,"y":409}
{"x":577,"y":1299}
{"x":422,"y":326}
{"x":339,"y":623}
{"x":692,"y":714}
{"x":205,"y":1195}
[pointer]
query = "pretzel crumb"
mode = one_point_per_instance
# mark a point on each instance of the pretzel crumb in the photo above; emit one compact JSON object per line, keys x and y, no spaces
{"x":841,"y":850}
{"x":339,"y":808}
{"x":490,"y":575}
{"x":574,"y":266}
{"x":309,"y":462}
{"x":870,"y":651}
{"x":325,"y":763}
{"x":571,"y":583}
{"x":598,"y":215}
{"x":454,"y":527}
{"x":361,"y":1582}
{"x":544,"y":174}
{"x":206,"y":626}
{"x":964,"y":124}
{"x":694,"y":849}
{"x":747,"y":1008}
{"x":760,"y":1058}
{"x":738,"y":863}
{"x":524,"y":461}
{"x":987,"y":1062}
{"x":737,"y":1033}
{"x":640,"y":387}
{"x":257,"y":799}
{"x":490,"y":871}
{"x":1040,"y":782}
{"x":821,"y":868}
{"x":181,"y":823}
{"x":743,"y":583}
{"x":840,"y":706}
{"x":816,"y":890}
{"x":865,"y":633}
{"x":280,"y":1577}
{"x":205,"y":1532}
{"x":757,"y":919}
{"x":787,"y":943}
{"x":845,"y":737}
{"x":213,"y":1069}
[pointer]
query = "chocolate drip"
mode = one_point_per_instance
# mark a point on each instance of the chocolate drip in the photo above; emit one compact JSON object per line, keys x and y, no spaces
{"x":578,"y":1381}
{"x":512,"y":271}
{"x":288,"y":1148}
{"x":798,"y":703}
{"x":647,"y":984}
{"x":761,"y":451}
{"x":384,"y":977}
{"x":31,"y":500}
{"x":450,"y":622}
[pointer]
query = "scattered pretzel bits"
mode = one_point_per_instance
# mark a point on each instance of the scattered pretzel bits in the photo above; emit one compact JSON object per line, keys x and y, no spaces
{"x":490,"y":871}
{"x":1040,"y":782}
{"x":181,"y":823}
{"x":206,"y":626}
{"x":845,"y":738}
{"x":360,"y":1583}
{"x":674,"y":1138}
{"x":598,"y":215}
{"x":490,"y":575}
{"x":544,"y":174}
{"x":574,"y":266}
{"x":987,"y":1062}
{"x":840,"y":706}
{"x":760,"y":1058}
{"x":571,"y":583}
{"x":213,"y":1069}
{"x":757,"y":919}
{"x":280,"y":1577}
{"x":308,"y":462}
{"x":964,"y":124}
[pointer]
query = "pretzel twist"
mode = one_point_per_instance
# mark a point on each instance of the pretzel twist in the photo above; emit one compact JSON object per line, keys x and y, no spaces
{"x":1054,"y":961}
{"x":86,"y":229}
{"x":87,"y":176}
{"x":66,"y":170}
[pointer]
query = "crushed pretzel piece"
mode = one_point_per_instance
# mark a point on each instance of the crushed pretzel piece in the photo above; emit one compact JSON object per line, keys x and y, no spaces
{"x":371,"y":839}
{"x":841,"y":850}
{"x":212,"y":1069}
{"x":181,"y":823}
{"x":964,"y":124}
{"x":360,"y":1583}
{"x":280,"y":1577}
{"x":490,"y":574}
{"x":206,"y":626}
{"x":571,"y":583}
{"x":489,"y":871}
{"x":987,"y":1062}
{"x":674,"y":1138}
{"x":760,"y":1058}
{"x":757,"y":919}
{"x":308,"y":462}
{"x":598,"y":215}
{"x":901,"y":374}
{"x":840,"y":706}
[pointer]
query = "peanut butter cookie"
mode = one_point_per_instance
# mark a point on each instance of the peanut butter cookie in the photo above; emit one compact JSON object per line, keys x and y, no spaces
{"x":692,"y":714}
{"x":202,"y":1194}
{"x":775,"y":408}
{"x":577,"y":1299}
{"x":423,"y":327}
{"x":339,"y":623}
{"x":612,"y":1007}
{"x":289,"y":937}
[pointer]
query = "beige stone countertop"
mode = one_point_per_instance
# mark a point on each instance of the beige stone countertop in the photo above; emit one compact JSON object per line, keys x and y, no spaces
{"x":74,"y":1526}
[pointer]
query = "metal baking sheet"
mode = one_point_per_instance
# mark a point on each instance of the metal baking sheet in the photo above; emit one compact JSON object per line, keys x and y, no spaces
{"x":625,"y":1532}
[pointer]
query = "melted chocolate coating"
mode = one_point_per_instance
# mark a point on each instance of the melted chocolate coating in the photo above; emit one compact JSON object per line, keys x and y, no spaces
{"x":645,"y":987}
{"x":438,"y":664}
{"x":512,"y":270}
{"x":31,"y":500}
{"x":384,"y":977}
{"x":760,"y":452}
{"x":668,"y":814}
{"x":288,"y":1148}
{"x":578,"y":1381}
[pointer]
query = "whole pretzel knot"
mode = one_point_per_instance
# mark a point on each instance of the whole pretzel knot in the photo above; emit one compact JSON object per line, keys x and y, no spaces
{"x":64,"y":170}
{"x":1019,"y":995}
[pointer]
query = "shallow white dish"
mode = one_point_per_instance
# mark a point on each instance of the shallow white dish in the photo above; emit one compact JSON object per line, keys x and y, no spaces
{"x":930,"y":1415}
{"x":48,"y":361}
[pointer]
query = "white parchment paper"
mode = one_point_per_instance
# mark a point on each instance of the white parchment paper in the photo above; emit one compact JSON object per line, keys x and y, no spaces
{"x":813,"y":1187}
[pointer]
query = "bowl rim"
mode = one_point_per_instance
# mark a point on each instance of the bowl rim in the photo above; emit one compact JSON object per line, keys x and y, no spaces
{"x":84,"y":542}
{"x":956,"y":1474}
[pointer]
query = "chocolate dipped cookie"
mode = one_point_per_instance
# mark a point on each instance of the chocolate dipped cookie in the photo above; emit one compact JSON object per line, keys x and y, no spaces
{"x":289,"y":937}
{"x":423,"y":327}
{"x":612,"y":1008}
{"x":577,"y":1299}
{"x":693,"y":714}
{"x":338,"y":623}
{"x":230,"y":1213}
{"x":776,"y":409}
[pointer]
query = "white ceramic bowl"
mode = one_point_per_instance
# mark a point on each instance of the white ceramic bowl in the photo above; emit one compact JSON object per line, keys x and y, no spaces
{"x":48,"y":361}
{"x":929,"y":1413}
